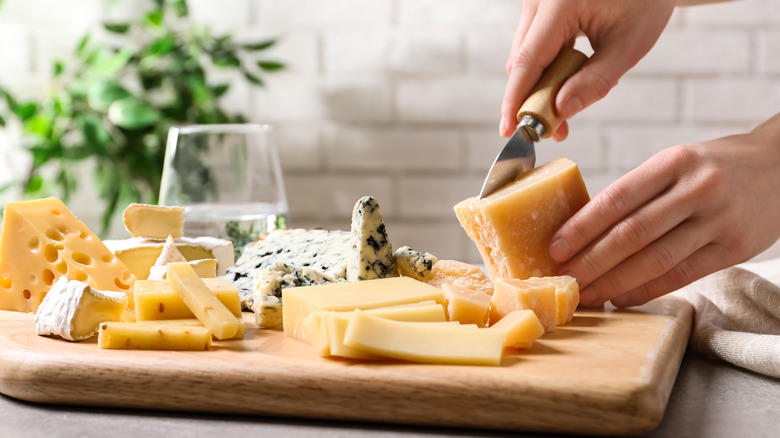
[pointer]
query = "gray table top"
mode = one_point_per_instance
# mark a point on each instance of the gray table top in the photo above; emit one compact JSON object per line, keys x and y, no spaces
{"x":710,"y":399}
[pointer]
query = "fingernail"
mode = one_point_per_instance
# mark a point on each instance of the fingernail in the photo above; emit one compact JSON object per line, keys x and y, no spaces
{"x":559,"y":249}
{"x":571,"y":106}
{"x":503,"y":126}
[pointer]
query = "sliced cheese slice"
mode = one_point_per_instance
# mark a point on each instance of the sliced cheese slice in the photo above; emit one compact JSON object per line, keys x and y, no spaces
{"x":201,"y":301}
{"x":189,"y":323}
{"x":429,"y":342}
{"x":156,"y":299}
{"x":134,"y":336}
{"x":299,"y":302}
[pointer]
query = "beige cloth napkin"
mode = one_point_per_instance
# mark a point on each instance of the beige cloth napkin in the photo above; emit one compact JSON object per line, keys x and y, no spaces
{"x":737,"y":315}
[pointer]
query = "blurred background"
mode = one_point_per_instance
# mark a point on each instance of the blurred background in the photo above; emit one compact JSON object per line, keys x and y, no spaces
{"x":400,"y":99}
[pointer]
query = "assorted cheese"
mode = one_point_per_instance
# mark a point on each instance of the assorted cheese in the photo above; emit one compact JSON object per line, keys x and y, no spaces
{"x":43,"y":241}
{"x":153,"y":221}
{"x":347,"y":294}
{"x":512,"y":227}
{"x":73,"y":310}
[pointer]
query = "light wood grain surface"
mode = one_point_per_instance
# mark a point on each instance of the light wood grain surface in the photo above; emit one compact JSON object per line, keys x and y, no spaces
{"x":608,"y":372}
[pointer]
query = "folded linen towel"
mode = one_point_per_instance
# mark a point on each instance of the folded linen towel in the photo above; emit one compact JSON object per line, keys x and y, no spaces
{"x":737,"y":315}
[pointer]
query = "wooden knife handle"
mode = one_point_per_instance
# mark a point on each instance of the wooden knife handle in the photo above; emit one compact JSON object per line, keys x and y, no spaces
{"x":541,"y":102}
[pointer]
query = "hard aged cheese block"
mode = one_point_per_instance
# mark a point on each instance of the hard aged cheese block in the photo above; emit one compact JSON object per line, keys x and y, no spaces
{"x":567,"y":295}
{"x":141,"y":254}
{"x":134,"y":336}
{"x":413,"y":263}
{"x":467,"y":306}
{"x":512,"y":294}
{"x":424,"y":341}
{"x":203,"y":304}
{"x":189,"y":323}
{"x":521,"y":328}
{"x":42,"y":241}
{"x":156,"y":299}
{"x":73,"y":310}
{"x":459,"y":274}
{"x":372,"y":255}
{"x":319,"y":250}
{"x":300,"y":302}
{"x":336,"y":325}
{"x":153,"y":221}
{"x":513,"y":226}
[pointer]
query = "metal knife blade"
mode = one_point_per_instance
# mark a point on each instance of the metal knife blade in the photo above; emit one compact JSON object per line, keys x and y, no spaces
{"x":537,"y":119}
{"x":518,"y":156}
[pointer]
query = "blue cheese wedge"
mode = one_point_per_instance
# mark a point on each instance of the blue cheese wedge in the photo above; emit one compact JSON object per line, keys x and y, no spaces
{"x":372,"y":255}
{"x":322,"y":251}
{"x":413,"y":263}
{"x":268,"y":285}
{"x":73,"y":310}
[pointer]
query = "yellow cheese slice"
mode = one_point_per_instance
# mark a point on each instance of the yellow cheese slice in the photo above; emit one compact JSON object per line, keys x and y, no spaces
{"x":430,"y":342}
{"x":466,"y":306}
{"x":156,"y":299}
{"x":153,"y":221}
{"x":191,"y":322}
{"x":42,"y":241}
{"x":201,"y":301}
{"x":521,"y":328}
{"x":300,"y":302}
{"x":513,"y":226}
{"x":459,"y":274}
{"x":134,"y":336}
{"x":336,"y":324}
{"x":511,"y":294}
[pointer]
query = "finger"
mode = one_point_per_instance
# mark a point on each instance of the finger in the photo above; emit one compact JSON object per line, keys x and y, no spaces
{"x":562,"y":132}
{"x":650,"y":263}
{"x":594,"y":80}
{"x":526,"y":17}
{"x":614,"y":203}
{"x":711,"y":258}
{"x":542,"y":42}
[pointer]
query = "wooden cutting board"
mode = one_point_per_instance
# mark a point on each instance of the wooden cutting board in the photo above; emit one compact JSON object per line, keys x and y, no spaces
{"x":608,"y":372}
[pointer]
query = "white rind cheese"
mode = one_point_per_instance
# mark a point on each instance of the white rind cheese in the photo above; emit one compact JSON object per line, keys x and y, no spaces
{"x":321,"y":251}
{"x":133,"y":252}
{"x":268,"y":285}
{"x":372,"y":255}
{"x":73,"y":310}
{"x":413,"y":263}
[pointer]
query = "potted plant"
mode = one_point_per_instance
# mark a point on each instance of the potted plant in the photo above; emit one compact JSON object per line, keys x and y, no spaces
{"x":115,"y":100}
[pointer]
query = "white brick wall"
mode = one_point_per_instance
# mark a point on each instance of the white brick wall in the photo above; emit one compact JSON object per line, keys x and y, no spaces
{"x":400,"y":98}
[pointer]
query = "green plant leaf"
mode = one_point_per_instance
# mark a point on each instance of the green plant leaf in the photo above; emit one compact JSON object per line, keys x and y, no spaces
{"x":33,"y":184}
{"x":102,"y":94}
{"x":225,"y":59}
{"x":58,"y":68}
{"x":155,"y":18}
{"x":220,"y":90}
{"x":110,"y":64}
{"x":254,"y":79}
{"x":161,"y":46}
{"x":255,"y":47}
{"x":131,"y":113}
{"x":25,"y":110}
{"x":120,"y":28}
{"x":2,"y":121}
{"x":95,"y":133}
{"x":83,"y":44}
{"x":270,"y":65}
{"x":180,"y":8}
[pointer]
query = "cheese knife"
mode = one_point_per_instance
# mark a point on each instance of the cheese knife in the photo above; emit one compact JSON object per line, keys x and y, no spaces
{"x":537,"y":119}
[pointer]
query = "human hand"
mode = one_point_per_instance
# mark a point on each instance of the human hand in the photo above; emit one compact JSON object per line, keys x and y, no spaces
{"x":620,"y":32}
{"x":687,"y":212}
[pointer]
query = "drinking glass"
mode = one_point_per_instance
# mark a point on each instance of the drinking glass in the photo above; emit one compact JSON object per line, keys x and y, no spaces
{"x":227,"y":178}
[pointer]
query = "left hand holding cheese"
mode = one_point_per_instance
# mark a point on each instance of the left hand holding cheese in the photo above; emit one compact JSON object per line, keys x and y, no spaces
{"x":687,"y":212}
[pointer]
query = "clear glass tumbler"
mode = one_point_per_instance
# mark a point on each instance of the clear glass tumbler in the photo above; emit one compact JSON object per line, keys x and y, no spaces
{"x":227,"y":178}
